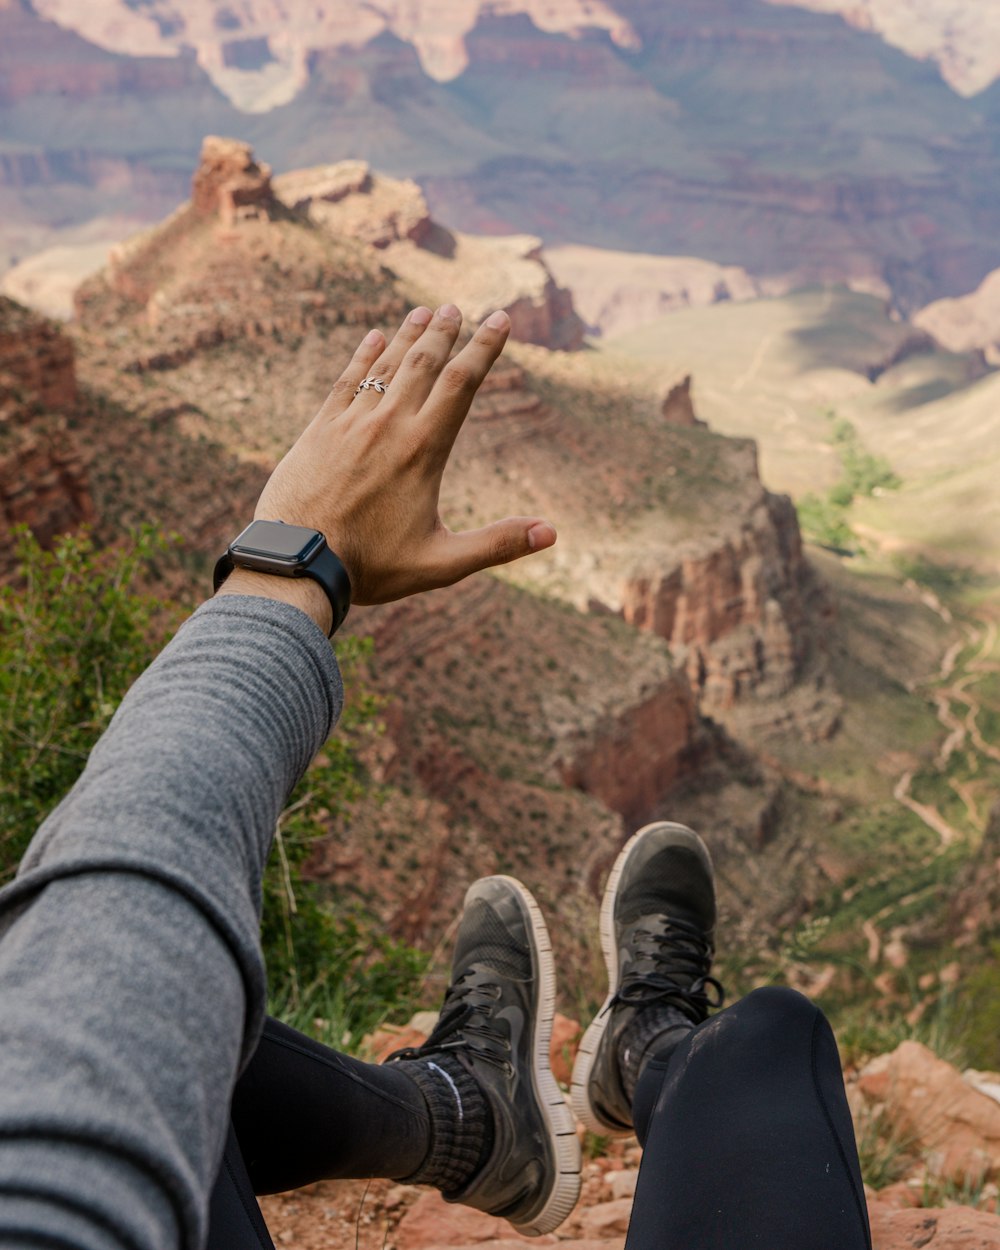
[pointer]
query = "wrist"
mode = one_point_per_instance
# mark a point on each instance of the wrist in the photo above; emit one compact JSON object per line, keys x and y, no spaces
{"x":301,"y":592}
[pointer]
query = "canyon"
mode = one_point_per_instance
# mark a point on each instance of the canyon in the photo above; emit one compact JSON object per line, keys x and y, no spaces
{"x":960,"y":36}
{"x":748,"y":160}
{"x":528,"y":713}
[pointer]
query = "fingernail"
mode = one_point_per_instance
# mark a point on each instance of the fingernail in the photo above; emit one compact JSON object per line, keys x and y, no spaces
{"x":448,"y":312}
{"x":372,"y":337}
{"x":541,"y":535}
{"x":498,"y":320}
{"x":420,"y":316}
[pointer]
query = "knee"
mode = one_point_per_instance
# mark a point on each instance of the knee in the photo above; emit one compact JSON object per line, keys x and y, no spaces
{"x":775,"y":1007}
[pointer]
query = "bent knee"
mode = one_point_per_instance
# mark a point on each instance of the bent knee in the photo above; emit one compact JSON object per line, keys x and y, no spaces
{"x":776,"y":1004}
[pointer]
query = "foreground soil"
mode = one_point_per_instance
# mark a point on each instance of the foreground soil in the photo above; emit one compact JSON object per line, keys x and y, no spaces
{"x":380,"y":1215}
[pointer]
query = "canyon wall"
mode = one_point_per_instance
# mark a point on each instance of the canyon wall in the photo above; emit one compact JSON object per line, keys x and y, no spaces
{"x":742,"y":613}
{"x":537,"y":136}
{"x":43,"y":475}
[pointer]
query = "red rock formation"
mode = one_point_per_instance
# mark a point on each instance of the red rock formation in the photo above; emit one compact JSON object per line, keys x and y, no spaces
{"x":481,"y":274}
{"x":631,"y":761}
{"x":953,"y":1128}
{"x":229,"y":182}
{"x":43,"y":476}
{"x":348,"y":201}
{"x":36,"y":357}
{"x":956,"y":1228}
{"x":678,"y":407}
{"x":738,"y":608}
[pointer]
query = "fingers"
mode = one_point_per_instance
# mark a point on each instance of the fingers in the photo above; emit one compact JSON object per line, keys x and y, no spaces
{"x":357,"y":370}
{"x":458,"y":555}
{"x":374,"y":359}
{"x":423,"y":362}
{"x":457,"y":383}
{"x":387,"y":365}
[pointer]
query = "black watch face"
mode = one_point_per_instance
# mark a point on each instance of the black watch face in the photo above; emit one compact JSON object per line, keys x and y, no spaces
{"x":287,"y":544}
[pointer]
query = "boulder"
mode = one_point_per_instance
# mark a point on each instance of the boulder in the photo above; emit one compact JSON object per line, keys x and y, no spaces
{"x":566,"y":1034}
{"x":950,"y":1123}
{"x":433,"y":1222}
{"x":606,"y":1219}
{"x":955,"y":1228}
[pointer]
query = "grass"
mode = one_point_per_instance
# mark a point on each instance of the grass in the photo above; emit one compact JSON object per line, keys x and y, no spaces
{"x":885,"y":1151}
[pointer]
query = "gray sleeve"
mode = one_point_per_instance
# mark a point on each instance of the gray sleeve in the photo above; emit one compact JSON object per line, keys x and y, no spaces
{"x":131,"y":979}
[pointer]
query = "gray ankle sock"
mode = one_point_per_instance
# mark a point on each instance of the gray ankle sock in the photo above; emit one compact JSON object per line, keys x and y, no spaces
{"x":652,"y":1032}
{"x":461,"y":1124}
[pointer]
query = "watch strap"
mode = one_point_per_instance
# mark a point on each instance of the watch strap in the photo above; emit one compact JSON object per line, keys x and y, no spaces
{"x":325,"y":567}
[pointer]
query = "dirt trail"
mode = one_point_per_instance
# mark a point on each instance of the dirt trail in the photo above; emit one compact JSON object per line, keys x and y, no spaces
{"x":961,"y":730}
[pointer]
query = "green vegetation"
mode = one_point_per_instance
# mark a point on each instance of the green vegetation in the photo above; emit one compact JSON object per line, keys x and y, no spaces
{"x":823,"y":518}
{"x":74,"y":634}
{"x":885,"y":1154}
{"x":981,"y":1033}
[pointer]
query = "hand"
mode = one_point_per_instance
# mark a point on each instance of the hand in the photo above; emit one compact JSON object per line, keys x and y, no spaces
{"x":367,"y":470}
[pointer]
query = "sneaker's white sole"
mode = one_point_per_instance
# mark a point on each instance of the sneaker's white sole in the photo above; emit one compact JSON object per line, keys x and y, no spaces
{"x":558,"y":1117}
{"x":584,"y":1064}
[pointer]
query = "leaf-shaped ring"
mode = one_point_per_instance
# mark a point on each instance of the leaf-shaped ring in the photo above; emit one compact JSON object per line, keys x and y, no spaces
{"x":375,"y":384}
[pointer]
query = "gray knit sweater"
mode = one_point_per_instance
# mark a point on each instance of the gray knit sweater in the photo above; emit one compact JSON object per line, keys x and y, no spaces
{"x":131,"y":978}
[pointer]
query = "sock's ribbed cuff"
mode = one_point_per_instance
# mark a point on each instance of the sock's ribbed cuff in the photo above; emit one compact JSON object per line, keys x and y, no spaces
{"x":654,"y":1030}
{"x":458,"y":1121}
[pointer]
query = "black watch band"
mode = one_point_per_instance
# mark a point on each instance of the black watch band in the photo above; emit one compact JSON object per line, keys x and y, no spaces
{"x":300,"y":553}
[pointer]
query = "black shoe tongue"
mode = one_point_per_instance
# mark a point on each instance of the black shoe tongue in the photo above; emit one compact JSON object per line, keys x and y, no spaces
{"x":486,"y":940}
{"x":673,"y":883}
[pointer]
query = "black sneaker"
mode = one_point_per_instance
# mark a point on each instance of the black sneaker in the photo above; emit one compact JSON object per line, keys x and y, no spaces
{"x":496,"y":1021}
{"x":657,"y":924}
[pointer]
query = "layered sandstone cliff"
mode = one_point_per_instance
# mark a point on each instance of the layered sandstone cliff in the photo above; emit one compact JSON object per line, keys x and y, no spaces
{"x":258,"y":55}
{"x":738,"y":610}
{"x":969,"y":322}
{"x":481,"y":273}
{"x":962,"y":37}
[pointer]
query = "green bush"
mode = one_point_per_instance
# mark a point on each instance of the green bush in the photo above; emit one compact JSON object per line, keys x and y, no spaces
{"x":74,"y":634}
{"x":823,"y":517}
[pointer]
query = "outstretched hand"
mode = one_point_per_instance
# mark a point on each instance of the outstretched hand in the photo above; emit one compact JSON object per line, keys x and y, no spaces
{"x":367,"y":470}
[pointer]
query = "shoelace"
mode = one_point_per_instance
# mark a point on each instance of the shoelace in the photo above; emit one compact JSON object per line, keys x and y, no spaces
{"x":677,"y":957}
{"x":466,"y":1024}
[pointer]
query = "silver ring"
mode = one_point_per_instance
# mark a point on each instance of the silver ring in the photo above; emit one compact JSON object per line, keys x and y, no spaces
{"x":374,"y":384}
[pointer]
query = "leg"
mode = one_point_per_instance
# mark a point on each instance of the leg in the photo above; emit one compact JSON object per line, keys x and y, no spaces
{"x":235,"y":1221}
{"x":747,"y":1137}
{"x":303,"y":1112}
{"x":475,"y":1111}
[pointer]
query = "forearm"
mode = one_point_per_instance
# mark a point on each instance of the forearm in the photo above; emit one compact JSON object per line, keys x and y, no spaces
{"x":130,"y":968}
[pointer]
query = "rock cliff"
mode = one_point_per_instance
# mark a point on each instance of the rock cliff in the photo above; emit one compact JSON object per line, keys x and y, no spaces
{"x":258,"y":55}
{"x":742,"y":612}
{"x":968,"y":323}
{"x":43,"y":474}
{"x":538,"y":139}
{"x":479,"y":272}
{"x":960,"y":36}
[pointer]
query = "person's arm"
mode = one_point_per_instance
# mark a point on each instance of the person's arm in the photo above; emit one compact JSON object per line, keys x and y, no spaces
{"x":131,"y":982}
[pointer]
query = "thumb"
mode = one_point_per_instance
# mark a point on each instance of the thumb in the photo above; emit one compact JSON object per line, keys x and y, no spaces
{"x":499,"y":543}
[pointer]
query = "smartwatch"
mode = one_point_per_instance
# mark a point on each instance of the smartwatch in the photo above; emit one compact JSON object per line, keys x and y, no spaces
{"x":289,"y":551}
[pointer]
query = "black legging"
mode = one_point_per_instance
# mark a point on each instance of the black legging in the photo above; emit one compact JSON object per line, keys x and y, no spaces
{"x":747,"y":1138}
